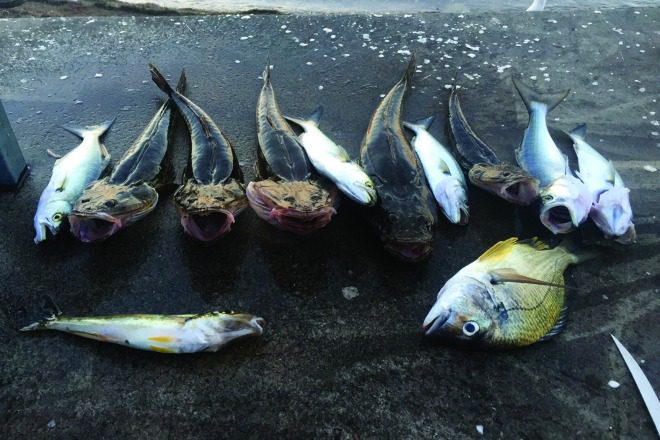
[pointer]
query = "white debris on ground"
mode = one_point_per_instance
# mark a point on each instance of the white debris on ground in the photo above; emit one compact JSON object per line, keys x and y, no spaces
{"x":51,"y":424}
{"x":614,"y":384}
{"x":650,"y":168}
{"x":350,"y":292}
{"x":480,"y":429}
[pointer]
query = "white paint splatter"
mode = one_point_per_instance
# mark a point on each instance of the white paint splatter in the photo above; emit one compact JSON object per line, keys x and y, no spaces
{"x":480,"y":429}
{"x":327,"y":30}
{"x":501,"y":69}
{"x":98,"y":75}
{"x":475,"y":48}
{"x":63,"y":77}
{"x":614,"y":384}
{"x":650,"y":168}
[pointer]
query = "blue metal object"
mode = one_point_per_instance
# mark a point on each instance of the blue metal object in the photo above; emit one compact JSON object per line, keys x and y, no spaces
{"x":12,"y":163}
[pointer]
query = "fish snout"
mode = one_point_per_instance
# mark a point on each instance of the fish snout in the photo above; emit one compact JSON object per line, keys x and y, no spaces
{"x":436,"y":319}
{"x":522,"y":192}
{"x":41,"y":232}
{"x":207,"y":226}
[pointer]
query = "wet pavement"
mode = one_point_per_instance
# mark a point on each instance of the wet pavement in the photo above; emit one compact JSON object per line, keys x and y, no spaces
{"x":327,"y":366}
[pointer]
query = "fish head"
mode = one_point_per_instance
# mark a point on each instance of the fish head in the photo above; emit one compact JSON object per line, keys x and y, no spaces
{"x":566,"y":203}
{"x":221,"y":328}
{"x":208,"y":211}
{"x":463,"y":312}
{"x":356,"y":184}
{"x":510,"y":182}
{"x":405,"y":227}
{"x":301,"y":207}
{"x":613,"y":215}
{"x":50,"y":216}
{"x":104,"y":208}
{"x":452,"y":198}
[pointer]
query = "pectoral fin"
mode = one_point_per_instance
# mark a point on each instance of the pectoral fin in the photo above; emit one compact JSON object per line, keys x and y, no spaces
{"x":506,"y":275}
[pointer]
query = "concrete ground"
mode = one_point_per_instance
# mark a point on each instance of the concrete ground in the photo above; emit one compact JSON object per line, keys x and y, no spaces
{"x":327,"y":367}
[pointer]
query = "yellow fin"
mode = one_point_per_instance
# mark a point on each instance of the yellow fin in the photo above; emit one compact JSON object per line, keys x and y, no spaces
{"x":161,"y":349}
{"x":162,"y":339}
{"x":536,"y":243}
{"x":499,"y":250}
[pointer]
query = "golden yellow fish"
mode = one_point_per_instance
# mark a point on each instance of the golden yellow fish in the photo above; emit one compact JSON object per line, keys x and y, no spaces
{"x":511,"y":296}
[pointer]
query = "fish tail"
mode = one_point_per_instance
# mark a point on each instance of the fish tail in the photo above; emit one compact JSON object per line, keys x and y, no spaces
{"x":424,"y":123}
{"x":530,"y":96}
{"x":410,"y":70}
{"x":47,"y":321}
{"x":579,"y":132}
{"x":576,"y":253}
{"x":160,"y":80}
{"x":312,"y":119}
{"x":92,"y":130}
{"x":266,"y":73}
{"x":182,"y":83}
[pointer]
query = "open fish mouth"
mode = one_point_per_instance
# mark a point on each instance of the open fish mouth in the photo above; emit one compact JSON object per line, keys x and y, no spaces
{"x":95,"y":227}
{"x":408,"y":251}
{"x":208,"y":225}
{"x":298,"y":212}
{"x":522,"y":192}
{"x":558,"y":218}
{"x":431,"y":326}
{"x":629,"y":237}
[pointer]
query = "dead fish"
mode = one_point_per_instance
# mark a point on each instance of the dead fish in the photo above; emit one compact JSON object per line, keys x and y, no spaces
{"x":161,"y":333}
{"x":485,"y":170}
{"x":443,"y":173}
{"x":405,"y":213}
{"x":332,"y":160}
{"x":511,"y":296}
{"x":71,"y":175}
{"x":213,"y":194}
{"x":130,"y":192}
{"x":287,"y":194}
{"x":565,"y":200}
{"x":611,"y":210}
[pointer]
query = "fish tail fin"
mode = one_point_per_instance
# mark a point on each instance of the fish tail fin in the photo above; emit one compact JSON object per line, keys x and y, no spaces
{"x":424,"y":123}
{"x":92,"y":130}
{"x":410,"y":69}
{"x":266,"y":72}
{"x":160,"y":80}
{"x":530,"y":96}
{"x":44,"y":323}
{"x":312,"y":119}
{"x":579,"y":132}
{"x":182,"y":83}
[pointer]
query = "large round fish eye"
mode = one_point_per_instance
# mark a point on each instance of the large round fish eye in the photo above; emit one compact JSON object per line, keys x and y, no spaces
{"x":58,"y":217}
{"x":470,"y":328}
{"x":547,"y":198}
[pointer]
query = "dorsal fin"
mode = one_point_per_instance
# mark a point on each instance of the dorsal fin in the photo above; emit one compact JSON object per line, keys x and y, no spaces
{"x":499,"y":250}
{"x":536,"y":243}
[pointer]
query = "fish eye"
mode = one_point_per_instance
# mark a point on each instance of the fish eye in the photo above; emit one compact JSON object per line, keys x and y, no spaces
{"x":470,"y":328}
{"x":58,"y":217}
{"x":506,"y":174}
{"x":547,"y":198}
{"x":111,"y":203}
{"x":369,"y":185}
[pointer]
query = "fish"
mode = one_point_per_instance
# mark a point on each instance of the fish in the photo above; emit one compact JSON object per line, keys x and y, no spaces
{"x":485,"y":170}
{"x":536,"y":6}
{"x":443,"y":173}
{"x":565,"y":199}
{"x":71,"y":174}
{"x":406,"y":212}
{"x":287,"y":193}
{"x":213,"y":194}
{"x":332,"y":160}
{"x":513,"y":295}
{"x":130,"y":192}
{"x":160,"y":333}
{"x":611,"y":210}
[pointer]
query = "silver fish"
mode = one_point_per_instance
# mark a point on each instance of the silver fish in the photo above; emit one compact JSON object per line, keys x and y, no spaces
{"x":611,"y":210}
{"x":72,"y":173}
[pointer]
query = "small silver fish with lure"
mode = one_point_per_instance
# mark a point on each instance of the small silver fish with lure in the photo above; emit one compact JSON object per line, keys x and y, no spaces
{"x":611,"y":210}
{"x":332,"y":160}
{"x":161,"y":333}
{"x":72,"y":173}
{"x":442,"y":171}
{"x":566,"y":201}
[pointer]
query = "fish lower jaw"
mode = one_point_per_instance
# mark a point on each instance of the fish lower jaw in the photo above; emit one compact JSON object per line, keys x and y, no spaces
{"x":91,"y":229}
{"x":557,"y":219}
{"x":208,"y":225}
{"x":289,"y":219}
{"x":410,"y":252}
